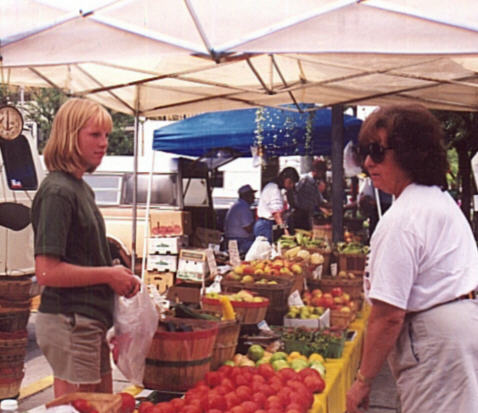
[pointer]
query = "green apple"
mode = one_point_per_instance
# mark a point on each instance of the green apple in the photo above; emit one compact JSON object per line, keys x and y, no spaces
{"x":298,"y":364}
{"x":278,"y":355}
{"x":279,"y":364}
{"x":255,"y":352}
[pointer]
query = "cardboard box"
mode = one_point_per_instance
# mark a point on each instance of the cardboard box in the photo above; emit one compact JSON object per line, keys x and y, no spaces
{"x":102,"y":402}
{"x":322,"y":322}
{"x":162,"y":281}
{"x":164,"y":245}
{"x":162,"y":263}
{"x":164,"y":222}
{"x":185,"y":294}
{"x":205,"y":236}
{"x":119,"y":224}
{"x":192,"y":265}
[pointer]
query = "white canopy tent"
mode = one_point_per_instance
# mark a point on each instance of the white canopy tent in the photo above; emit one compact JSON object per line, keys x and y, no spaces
{"x":152,"y":57}
{"x":163,"y":57}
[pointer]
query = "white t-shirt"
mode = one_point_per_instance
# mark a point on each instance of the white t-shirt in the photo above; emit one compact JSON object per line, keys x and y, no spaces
{"x":422,"y":252}
{"x":270,"y":201}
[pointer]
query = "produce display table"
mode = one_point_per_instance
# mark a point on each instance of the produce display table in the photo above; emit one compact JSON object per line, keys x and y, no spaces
{"x":341,"y":372}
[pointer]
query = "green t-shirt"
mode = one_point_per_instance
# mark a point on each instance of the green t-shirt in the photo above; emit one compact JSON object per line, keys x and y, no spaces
{"x":68,"y":224}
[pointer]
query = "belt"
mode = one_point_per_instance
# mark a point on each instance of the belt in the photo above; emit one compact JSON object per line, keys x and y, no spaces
{"x":468,"y":296}
{"x":267,"y":219}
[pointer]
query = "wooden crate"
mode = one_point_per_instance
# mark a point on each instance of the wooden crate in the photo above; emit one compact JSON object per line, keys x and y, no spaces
{"x":160,"y":280}
{"x":354,"y":263}
{"x":340,"y":320}
{"x":103,"y":402}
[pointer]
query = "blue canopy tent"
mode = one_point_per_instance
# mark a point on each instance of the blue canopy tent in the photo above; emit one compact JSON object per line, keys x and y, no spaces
{"x":280,"y":132}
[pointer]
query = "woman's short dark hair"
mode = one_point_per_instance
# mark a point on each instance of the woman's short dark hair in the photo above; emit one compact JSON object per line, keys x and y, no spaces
{"x":417,"y":137}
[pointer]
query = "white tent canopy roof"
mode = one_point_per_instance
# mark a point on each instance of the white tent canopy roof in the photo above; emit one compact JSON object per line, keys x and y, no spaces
{"x":152,"y":57}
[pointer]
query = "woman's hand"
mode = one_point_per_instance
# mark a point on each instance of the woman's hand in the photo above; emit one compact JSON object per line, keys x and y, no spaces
{"x":124,"y":282}
{"x":358,"y":397}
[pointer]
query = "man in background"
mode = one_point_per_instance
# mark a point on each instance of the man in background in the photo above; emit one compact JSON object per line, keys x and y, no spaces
{"x":308,"y":196}
{"x":239,"y":220}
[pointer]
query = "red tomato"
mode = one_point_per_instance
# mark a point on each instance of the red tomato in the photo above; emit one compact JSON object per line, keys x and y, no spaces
{"x":238,"y":409}
{"x":257,"y":378}
{"x":315,"y":384}
{"x":82,"y":405}
{"x":308,"y":372}
{"x":299,"y":399}
{"x":284,"y":395}
{"x":232,"y":399}
{"x":275,"y":409}
{"x":250,"y":406}
{"x":228,"y":384}
{"x":217,"y":402}
{"x":244,"y":393}
{"x":272,"y":401}
{"x":212,"y":378}
{"x":128,"y":403}
{"x":226,"y":370}
{"x":178,"y":403}
{"x":241,"y":380}
{"x":191,"y":409}
{"x":266,"y":389}
{"x":145,"y":407}
{"x":166,"y":407}
{"x":287,"y":374}
{"x":266,"y":370}
{"x":295,"y":407}
{"x":259,"y":398}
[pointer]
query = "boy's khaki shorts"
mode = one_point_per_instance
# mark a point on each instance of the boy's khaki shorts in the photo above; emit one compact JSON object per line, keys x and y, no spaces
{"x":75,"y":347}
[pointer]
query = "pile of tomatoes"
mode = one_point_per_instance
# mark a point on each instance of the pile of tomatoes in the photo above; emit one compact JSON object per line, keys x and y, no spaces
{"x":246,"y":389}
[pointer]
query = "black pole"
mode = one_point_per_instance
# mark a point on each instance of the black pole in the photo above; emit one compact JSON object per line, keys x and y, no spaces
{"x":337,"y":149}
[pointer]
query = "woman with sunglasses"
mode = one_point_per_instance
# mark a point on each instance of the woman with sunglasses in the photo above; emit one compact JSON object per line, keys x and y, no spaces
{"x":422,"y":273}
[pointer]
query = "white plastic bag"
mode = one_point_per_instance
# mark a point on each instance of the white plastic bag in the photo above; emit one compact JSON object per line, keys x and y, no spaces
{"x":260,"y":249}
{"x":134,"y":325}
{"x":352,"y":166}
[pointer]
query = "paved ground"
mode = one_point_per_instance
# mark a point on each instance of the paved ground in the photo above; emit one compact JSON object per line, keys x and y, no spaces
{"x":36,"y":386}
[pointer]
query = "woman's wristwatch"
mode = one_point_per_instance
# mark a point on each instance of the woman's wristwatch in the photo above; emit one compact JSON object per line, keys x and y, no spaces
{"x":362,"y":379}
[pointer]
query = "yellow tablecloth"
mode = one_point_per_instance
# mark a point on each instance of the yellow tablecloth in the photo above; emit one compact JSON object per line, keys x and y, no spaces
{"x":341,"y":372}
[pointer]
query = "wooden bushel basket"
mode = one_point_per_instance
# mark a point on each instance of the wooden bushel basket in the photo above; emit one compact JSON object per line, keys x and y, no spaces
{"x":10,"y":381}
{"x":246,"y":312}
{"x":178,"y":360}
{"x":226,"y":342}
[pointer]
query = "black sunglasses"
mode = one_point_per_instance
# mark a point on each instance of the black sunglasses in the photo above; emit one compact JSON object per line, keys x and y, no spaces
{"x":374,"y":150}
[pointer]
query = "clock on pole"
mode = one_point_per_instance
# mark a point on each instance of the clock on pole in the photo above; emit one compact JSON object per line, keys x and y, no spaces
{"x":11,"y":122}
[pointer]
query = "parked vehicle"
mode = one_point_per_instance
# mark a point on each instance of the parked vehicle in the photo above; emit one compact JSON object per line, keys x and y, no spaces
{"x":20,"y":175}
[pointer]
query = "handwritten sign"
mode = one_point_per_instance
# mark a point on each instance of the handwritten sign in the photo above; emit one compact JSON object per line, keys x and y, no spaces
{"x":211,"y":262}
{"x":234,"y":257}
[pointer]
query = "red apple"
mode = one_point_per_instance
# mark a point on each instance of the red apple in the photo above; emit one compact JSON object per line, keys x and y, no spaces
{"x":336,"y":292}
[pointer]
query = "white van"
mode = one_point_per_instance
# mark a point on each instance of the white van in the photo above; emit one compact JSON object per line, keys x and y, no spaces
{"x":20,"y":175}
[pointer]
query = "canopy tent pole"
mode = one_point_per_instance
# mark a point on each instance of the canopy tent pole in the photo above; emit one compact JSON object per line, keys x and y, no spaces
{"x":337,"y":133}
{"x":147,"y":213}
{"x":135,"y":189}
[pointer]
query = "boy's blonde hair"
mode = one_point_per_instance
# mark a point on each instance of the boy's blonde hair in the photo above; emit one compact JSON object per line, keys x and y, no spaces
{"x":62,"y":151}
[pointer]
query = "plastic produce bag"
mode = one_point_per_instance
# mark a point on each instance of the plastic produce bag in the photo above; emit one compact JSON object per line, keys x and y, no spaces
{"x":134,"y":325}
{"x":261,"y":249}
{"x":352,"y":166}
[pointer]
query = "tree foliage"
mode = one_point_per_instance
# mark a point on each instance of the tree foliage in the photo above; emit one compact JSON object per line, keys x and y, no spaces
{"x":42,"y":104}
{"x":461,"y":129}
